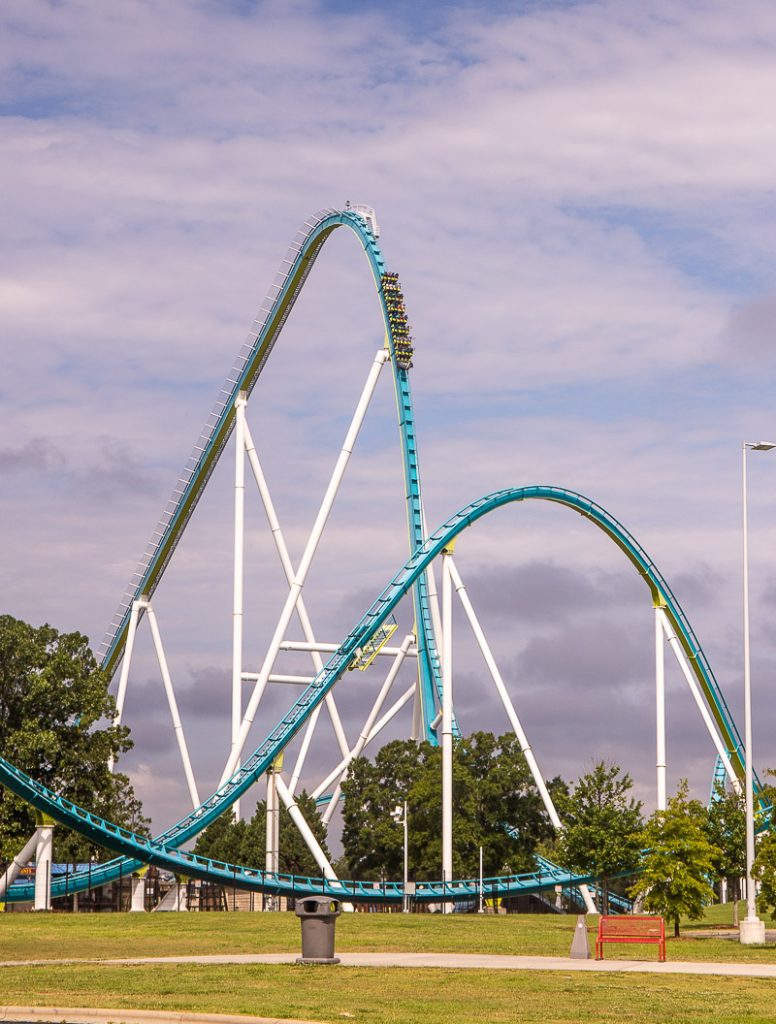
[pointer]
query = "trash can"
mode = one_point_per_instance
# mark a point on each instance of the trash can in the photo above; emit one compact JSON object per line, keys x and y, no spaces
{"x":318,"y":916}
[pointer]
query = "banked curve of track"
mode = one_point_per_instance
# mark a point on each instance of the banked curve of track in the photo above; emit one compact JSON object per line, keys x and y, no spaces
{"x":164,"y":850}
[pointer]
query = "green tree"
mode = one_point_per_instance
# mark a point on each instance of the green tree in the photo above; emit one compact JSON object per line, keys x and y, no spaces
{"x":601,"y":826}
{"x":726,"y":830}
{"x":55,"y":712}
{"x":223,"y":839}
{"x":764,"y":867}
{"x":678,"y":860}
{"x":495,"y":806}
{"x":372,"y":842}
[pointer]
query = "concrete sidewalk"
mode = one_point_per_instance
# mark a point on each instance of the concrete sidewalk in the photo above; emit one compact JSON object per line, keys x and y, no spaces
{"x":451,"y":961}
{"x":81,"y":1015}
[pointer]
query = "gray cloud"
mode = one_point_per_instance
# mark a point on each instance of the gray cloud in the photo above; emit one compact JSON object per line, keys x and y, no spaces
{"x":749,"y":335}
{"x":36,"y":455}
{"x":578,"y":198}
{"x":540,"y":592}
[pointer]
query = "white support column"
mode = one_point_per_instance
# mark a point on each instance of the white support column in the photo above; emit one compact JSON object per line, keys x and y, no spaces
{"x":304,"y":566}
{"x":692,"y":682}
{"x":392,"y":711}
{"x":660,"y":711}
{"x":176,"y":719}
{"x":447,"y":725}
{"x":304,"y":829}
{"x":361,"y":742}
{"x":271,"y":855}
{"x":509,"y":707}
{"x":20,"y":860}
{"x":126,"y":661}
{"x":137,"y":904}
{"x":238,"y":589}
{"x":417,"y":718}
{"x":433,"y":600}
{"x":44,"y":857}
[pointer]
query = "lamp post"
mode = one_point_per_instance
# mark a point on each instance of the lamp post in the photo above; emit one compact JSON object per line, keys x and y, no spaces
{"x":399,"y":815}
{"x":752,"y":929}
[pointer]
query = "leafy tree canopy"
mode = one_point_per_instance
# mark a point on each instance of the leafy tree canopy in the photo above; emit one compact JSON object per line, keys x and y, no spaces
{"x":55,"y":712}
{"x":601,"y":824}
{"x":678,"y":860}
{"x":764,"y":867}
{"x":726,"y":831}
{"x":495,"y":806}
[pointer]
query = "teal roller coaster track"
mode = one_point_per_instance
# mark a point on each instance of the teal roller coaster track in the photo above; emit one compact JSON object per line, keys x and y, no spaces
{"x":166,"y":849}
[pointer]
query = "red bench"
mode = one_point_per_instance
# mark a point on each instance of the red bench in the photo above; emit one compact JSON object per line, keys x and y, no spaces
{"x":631,"y":928}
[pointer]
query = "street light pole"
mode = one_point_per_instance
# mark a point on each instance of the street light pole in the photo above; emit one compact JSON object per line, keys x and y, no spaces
{"x":751,"y":929}
{"x":399,"y":815}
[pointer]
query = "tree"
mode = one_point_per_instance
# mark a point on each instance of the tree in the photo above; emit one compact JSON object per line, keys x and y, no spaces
{"x":222,"y":839}
{"x":495,"y":806}
{"x":764,"y":872}
{"x":371,"y":840}
{"x":726,"y":830}
{"x":764,"y":867}
{"x":601,"y":826}
{"x":678,"y":860}
{"x":55,"y":712}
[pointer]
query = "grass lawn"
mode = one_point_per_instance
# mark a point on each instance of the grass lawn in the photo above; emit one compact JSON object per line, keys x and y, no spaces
{"x":110,"y":936}
{"x":380,"y":996}
{"x":372,"y":995}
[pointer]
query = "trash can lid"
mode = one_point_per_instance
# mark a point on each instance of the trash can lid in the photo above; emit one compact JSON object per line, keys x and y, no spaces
{"x":317,"y":905}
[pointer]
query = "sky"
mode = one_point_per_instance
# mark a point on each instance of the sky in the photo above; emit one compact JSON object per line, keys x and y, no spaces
{"x":579,"y":199}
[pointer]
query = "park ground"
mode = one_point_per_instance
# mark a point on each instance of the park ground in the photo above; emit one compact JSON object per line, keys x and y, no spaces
{"x":375,"y":995}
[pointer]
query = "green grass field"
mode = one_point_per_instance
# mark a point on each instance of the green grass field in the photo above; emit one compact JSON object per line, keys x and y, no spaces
{"x":373,"y":995}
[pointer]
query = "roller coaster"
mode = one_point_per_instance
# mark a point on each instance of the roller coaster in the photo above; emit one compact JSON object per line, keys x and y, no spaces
{"x":429,"y":644}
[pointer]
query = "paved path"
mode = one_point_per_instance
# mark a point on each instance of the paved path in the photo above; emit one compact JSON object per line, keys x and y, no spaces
{"x":79,"y":1015}
{"x":455,"y":961}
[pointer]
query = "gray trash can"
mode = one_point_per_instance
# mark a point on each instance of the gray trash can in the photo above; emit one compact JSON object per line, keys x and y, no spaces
{"x":318,"y":916}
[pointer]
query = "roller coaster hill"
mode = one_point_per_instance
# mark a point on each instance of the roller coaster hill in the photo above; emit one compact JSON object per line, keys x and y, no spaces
{"x":426,"y":651}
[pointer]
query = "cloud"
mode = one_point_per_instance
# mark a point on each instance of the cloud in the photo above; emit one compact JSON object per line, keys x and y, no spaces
{"x":38,"y":454}
{"x":579,"y":200}
{"x":749,"y":333}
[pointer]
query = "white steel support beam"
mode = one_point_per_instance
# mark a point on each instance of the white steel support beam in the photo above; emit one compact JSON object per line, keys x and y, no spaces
{"x":692,"y":682}
{"x":447,"y":724}
{"x":509,"y":707}
{"x":392,"y":712}
{"x":309,"y":644}
{"x":304,"y":829}
{"x":300,"y":645}
{"x":272,"y":833}
{"x":378,"y":727}
{"x":417,"y":716}
{"x":44,"y":858}
{"x":126,"y":661}
{"x":433,"y":599}
{"x":137,"y":901}
{"x":300,"y":576}
{"x":660,"y":711}
{"x":176,"y":718}
{"x":21,"y":860}
{"x":238,"y":588}
{"x":361,"y":742}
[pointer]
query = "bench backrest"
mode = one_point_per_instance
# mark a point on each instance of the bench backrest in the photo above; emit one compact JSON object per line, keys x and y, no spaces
{"x":629,"y":926}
